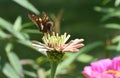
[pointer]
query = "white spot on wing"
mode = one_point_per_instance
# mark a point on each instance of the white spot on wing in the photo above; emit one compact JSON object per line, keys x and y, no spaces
{"x":42,"y":27}
{"x":40,"y":19}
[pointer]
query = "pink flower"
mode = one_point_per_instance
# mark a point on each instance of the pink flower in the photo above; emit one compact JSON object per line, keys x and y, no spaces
{"x":105,"y":68}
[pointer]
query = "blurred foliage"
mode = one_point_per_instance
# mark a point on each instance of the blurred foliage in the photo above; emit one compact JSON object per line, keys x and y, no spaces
{"x":110,"y":20}
{"x":80,"y":18}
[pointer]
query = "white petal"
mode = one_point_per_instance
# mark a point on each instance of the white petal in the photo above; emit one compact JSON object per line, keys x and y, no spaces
{"x":68,"y":36}
{"x":38,"y":46}
{"x":42,"y":50}
{"x":36,"y":42}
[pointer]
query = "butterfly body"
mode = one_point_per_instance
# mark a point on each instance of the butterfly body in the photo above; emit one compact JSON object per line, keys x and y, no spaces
{"x":44,"y":24}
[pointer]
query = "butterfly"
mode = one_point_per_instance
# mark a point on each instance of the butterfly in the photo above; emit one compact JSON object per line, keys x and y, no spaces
{"x":43,"y":23}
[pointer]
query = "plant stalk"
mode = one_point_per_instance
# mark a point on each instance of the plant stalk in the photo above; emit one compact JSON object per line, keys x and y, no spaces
{"x":53,"y":69}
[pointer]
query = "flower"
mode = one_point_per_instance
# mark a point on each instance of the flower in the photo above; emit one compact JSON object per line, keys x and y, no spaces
{"x":57,"y":43}
{"x":104,"y":68}
{"x":55,"y":46}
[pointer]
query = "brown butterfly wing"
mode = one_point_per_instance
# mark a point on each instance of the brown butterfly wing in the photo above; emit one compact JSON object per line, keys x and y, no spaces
{"x":47,"y":23}
{"x":36,"y":20}
{"x":44,"y":24}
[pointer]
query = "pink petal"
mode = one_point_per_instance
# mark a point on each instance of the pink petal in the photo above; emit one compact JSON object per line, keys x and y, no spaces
{"x":101,"y":65}
{"x":98,"y":69}
{"x":73,"y":46}
{"x":116,"y":64}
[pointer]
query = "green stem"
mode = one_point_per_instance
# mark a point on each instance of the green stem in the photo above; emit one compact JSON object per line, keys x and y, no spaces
{"x":53,"y":69}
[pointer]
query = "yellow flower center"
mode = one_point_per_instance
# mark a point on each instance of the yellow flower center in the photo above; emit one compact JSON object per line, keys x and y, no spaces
{"x":55,"y":39}
{"x":113,"y":72}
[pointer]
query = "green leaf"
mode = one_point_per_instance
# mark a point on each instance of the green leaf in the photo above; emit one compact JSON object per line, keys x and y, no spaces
{"x":25,"y":43}
{"x":26,"y":4}
{"x":105,"y":2}
{"x":28,"y":24}
{"x":104,"y":10}
{"x":117,"y":3}
{"x":31,"y":74}
{"x":85,"y":58}
{"x":112,"y":26}
{"x":116,"y":39}
{"x":114,"y":13}
{"x":17,"y":25}
{"x":112,"y":47}
{"x":14,"y":60}
{"x":9,"y":71}
{"x":3,"y":34}
{"x":9,"y":47}
{"x":118,"y":46}
{"x":9,"y":27}
{"x":34,"y":31}
{"x":26,"y":35}
{"x":6,"y":25}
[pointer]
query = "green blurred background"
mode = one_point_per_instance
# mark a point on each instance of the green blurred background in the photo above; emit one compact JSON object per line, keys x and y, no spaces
{"x":80,"y":18}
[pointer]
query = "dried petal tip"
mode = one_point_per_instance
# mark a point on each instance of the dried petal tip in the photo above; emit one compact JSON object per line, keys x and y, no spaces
{"x":81,"y":40}
{"x":73,"y":46}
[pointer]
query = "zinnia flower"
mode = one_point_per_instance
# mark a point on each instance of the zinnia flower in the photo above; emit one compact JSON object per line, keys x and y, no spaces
{"x":105,"y":68}
{"x":55,"y":46}
{"x":57,"y":43}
